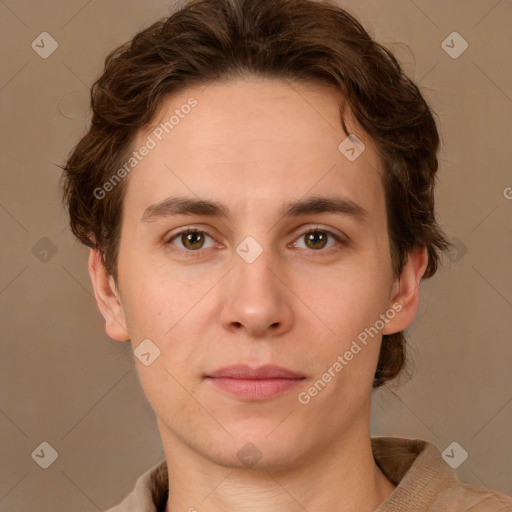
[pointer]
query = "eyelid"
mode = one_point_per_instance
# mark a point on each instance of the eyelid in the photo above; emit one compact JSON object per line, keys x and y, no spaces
{"x":186,"y":229}
{"x":317,"y":227}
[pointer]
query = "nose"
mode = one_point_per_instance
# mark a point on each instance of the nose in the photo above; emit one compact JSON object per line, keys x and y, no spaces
{"x":255,"y":298}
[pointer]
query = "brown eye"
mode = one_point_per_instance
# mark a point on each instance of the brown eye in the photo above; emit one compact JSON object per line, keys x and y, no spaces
{"x":190,"y":240}
{"x":194,"y":240}
{"x":316,"y":239}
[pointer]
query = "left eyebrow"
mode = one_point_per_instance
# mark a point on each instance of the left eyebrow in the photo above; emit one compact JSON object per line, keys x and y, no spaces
{"x":175,"y":206}
{"x":336,"y":204}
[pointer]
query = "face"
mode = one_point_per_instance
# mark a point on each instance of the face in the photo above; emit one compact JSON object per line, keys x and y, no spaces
{"x":287,"y":267}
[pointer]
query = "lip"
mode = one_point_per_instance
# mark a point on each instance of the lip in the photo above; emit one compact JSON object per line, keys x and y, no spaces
{"x":243,"y":371}
{"x":254,"y":384}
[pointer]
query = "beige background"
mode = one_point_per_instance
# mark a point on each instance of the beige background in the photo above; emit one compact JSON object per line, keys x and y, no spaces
{"x":64,"y":382}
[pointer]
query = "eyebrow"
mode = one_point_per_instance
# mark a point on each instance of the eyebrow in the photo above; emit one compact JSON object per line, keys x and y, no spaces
{"x":175,"y":206}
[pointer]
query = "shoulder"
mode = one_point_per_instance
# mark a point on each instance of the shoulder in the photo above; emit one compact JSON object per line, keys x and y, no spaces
{"x":465,"y":497}
{"x":426,"y":483}
{"x":149,"y":494}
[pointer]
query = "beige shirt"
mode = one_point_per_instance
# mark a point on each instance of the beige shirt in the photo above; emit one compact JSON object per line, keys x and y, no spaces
{"x":425,"y":483}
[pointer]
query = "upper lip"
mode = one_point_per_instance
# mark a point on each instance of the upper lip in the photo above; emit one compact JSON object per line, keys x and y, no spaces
{"x":242,"y":371}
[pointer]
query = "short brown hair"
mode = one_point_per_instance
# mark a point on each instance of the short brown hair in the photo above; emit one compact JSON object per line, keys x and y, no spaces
{"x":315,"y":42}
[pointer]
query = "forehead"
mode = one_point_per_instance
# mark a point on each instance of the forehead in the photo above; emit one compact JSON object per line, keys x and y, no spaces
{"x":252,"y":144}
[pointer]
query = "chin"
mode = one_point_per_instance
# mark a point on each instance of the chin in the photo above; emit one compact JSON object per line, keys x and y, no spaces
{"x":260,"y":448}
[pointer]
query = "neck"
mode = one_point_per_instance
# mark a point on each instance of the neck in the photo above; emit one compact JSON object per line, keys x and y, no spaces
{"x":342,"y":478}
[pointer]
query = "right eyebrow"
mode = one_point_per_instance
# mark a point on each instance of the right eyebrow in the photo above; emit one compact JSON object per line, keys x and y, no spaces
{"x":185,"y":206}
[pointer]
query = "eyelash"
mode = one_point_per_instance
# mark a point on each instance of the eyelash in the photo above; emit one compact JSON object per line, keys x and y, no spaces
{"x":197,"y":253}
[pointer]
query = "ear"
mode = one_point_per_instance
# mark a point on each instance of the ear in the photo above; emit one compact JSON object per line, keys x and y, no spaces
{"x":107,"y":298}
{"x":405,"y":293}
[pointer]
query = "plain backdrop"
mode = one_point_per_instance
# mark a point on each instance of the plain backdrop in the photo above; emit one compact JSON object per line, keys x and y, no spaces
{"x":64,"y":382}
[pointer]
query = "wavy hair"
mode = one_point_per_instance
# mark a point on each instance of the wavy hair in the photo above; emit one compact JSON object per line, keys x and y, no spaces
{"x":315,"y":42}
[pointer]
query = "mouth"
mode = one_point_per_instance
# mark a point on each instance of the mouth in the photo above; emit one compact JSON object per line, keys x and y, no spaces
{"x":254,"y":384}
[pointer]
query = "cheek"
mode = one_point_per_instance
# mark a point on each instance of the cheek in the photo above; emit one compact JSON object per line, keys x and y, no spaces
{"x":347,"y":299}
{"x":151,"y":306}
{"x":158,"y":312}
{"x":171,"y":313}
{"x":154,"y":298}
{"x":349,"y":306}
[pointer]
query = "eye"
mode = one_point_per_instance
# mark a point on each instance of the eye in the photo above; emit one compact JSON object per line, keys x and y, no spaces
{"x":317,"y":239}
{"x":191,"y":240}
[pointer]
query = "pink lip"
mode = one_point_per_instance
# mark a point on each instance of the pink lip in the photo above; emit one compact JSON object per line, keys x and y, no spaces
{"x":254,"y":383}
{"x":243,"y":371}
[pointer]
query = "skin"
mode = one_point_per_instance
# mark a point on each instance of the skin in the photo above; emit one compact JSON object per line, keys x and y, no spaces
{"x":254,"y":145}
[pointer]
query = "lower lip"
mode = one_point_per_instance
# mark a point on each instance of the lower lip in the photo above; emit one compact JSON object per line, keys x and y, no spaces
{"x":254,"y":389}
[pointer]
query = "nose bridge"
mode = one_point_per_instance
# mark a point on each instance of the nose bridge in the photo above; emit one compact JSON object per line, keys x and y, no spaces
{"x":256,"y":299}
{"x":253,"y":270}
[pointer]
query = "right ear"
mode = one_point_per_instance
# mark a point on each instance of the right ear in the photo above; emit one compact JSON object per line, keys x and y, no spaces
{"x":107,"y":297}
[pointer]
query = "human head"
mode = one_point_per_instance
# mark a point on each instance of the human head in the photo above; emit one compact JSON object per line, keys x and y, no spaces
{"x":300,"y":41}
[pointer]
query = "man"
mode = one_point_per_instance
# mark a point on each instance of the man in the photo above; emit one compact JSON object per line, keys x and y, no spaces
{"x":256,"y":188}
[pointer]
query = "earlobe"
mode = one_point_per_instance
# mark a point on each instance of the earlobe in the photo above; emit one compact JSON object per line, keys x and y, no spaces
{"x":107,"y":298}
{"x":406,"y":291}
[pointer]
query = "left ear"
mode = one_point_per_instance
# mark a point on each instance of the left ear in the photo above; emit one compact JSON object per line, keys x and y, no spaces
{"x":406,"y":291}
